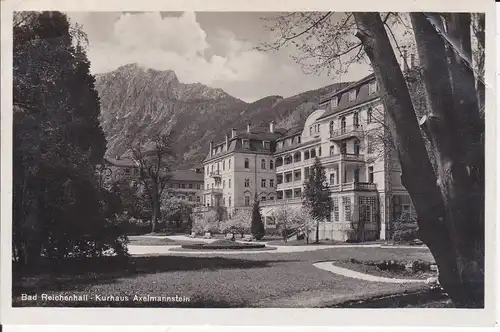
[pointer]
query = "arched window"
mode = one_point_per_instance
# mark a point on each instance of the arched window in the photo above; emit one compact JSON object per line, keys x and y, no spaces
{"x":288,"y":160}
{"x":223,"y":165}
{"x":369,"y":115}
{"x":224,"y":201}
{"x":306,"y":155}
{"x":313,"y":153}
{"x":229,"y":200}
{"x":229,"y":164}
{"x":271,"y":164}
{"x":247,"y":163}
{"x":342,"y":125}
{"x":356,"y":175}
{"x":331,"y":126}
{"x":355,"y":120}
{"x":279,"y":162}
{"x":263,"y":164}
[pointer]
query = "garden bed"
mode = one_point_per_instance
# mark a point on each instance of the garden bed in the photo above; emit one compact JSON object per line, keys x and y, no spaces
{"x":224,"y":244}
{"x":416,"y":269}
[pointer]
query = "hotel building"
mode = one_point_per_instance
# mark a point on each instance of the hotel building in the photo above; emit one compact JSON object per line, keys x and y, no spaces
{"x":348,"y":135}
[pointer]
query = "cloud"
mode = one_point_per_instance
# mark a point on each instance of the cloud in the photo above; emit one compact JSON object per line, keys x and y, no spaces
{"x":177,"y":43}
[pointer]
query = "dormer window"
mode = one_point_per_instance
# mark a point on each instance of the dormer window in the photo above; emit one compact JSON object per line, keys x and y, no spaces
{"x":267,"y":145}
{"x":372,"y":87}
{"x":298,"y":139}
{"x":246,"y":144}
{"x":352,"y":95}
{"x":334,"y":102}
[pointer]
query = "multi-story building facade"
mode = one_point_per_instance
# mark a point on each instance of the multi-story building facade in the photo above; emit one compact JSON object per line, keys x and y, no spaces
{"x":348,"y":134}
{"x":240,"y":168}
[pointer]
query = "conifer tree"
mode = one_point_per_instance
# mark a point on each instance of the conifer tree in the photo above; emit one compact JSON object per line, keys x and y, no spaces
{"x":257,"y":227}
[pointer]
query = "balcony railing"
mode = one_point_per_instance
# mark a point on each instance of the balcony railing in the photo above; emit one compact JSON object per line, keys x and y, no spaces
{"x":352,"y":157}
{"x":215,"y":174}
{"x":362,"y":186}
{"x":288,"y":185}
{"x":346,"y":132}
{"x":213,"y":191}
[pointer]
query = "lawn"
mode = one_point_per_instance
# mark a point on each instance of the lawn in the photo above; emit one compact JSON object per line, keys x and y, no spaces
{"x":255,"y":280}
{"x":152,"y":241}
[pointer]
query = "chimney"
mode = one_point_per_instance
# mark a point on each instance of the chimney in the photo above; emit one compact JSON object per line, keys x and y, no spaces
{"x":271,"y":126}
{"x":404,"y":58}
{"x":211,"y":148}
{"x":227,"y":142}
{"x":233,"y":133}
{"x":248,"y":128}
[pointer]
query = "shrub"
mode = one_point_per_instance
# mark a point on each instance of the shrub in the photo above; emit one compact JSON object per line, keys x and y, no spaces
{"x":404,"y":228}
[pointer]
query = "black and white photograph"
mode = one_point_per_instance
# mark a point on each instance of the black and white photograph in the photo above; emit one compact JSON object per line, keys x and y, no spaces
{"x":249,"y":159}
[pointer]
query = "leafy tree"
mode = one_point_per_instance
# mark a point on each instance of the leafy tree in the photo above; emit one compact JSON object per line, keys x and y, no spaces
{"x":317,"y":196}
{"x":257,"y":227}
{"x":239,"y":223}
{"x":285,"y":219}
{"x":305,"y":222}
{"x":448,"y":198}
{"x":154,"y":164}
{"x":59,"y":211}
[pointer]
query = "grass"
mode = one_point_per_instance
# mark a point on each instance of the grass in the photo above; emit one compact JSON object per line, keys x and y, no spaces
{"x":312,"y":242}
{"x":151,"y":241}
{"x":373,"y":270}
{"x":210,"y":280}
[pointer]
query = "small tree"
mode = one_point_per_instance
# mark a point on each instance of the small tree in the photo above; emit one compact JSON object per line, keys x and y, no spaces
{"x":305,"y":221}
{"x":239,"y":223}
{"x":317,"y":197}
{"x":257,"y":227}
{"x":285,"y":220}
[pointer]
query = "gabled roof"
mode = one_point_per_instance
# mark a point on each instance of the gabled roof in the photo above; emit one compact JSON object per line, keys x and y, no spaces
{"x":292,"y":132}
{"x":362,"y":96}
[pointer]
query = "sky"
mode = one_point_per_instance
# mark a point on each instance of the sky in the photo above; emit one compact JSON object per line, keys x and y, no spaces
{"x":214,"y":48}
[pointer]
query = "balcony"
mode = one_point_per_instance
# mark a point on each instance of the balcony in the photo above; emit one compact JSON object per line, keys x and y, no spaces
{"x":215,"y":174}
{"x":213,"y":191}
{"x":352,"y":157}
{"x":346,"y":132}
{"x":289,"y":185}
{"x":358,"y":186}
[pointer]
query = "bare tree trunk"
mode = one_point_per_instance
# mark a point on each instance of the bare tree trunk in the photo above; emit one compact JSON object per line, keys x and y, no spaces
{"x":317,"y":231}
{"x":452,"y":129}
{"x":417,"y":174}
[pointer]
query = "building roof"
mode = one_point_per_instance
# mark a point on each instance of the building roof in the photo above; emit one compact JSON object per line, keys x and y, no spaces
{"x":362,"y":96}
{"x":256,"y":136}
{"x":292,"y":132}
{"x":186,"y":175}
{"x":296,"y":145}
{"x":126,"y":162}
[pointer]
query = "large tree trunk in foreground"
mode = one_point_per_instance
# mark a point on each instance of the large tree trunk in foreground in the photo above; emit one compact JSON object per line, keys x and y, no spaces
{"x":453,"y":128}
{"x":417,"y":174}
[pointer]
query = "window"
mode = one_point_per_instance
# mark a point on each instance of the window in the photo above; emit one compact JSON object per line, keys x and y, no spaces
{"x":271,"y":183}
{"x":224,"y":201}
{"x":298,"y":139}
{"x":332,"y":178}
{"x":406,"y":208}
{"x":369,"y":115}
{"x":212,"y":168}
{"x":306,"y":155}
{"x":355,"y":120}
{"x":207,"y":170}
{"x":247,"y":200}
{"x":218,"y":169}
{"x":369,"y":145}
{"x":190,"y":198}
{"x":335,"y":214}
{"x":310,"y":131}
{"x":297,"y":175}
{"x":229,"y":200}
{"x":247,"y":163}
{"x":263,"y":198}
{"x":190,"y":186}
{"x":246,"y":144}
{"x":332,"y":150}
{"x":247,"y":183}
{"x":343,"y":147}
{"x":229,"y":164}
{"x":263,"y":164}
{"x":198,"y":186}
{"x":198,"y":199}
{"x":271,"y":164}
{"x":263,"y":183}
{"x":229,"y":183}
{"x":224,"y":184}
{"x":342,"y":125}
{"x":313,"y":153}
{"x":127,"y":171}
{"x":223,"y":165}
{"x":356,"y":147}
{"x":306,"y":172}
{"x":370,"y":174}
{"x":334,"y":102}
{"x":183,"y":198}
{"x":352,"y":95}
{"x":356,"y":175}
{"x":319,"y":151}
{"x":271,"y":198}
{"x":331,"y":126}
{"x":372,"y":88}
{"x":267,"y":145}
{"x":183,"y":186}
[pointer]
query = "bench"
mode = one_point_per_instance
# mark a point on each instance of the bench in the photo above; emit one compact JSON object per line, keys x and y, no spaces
{"x":248,"y":238}
{"x":207,"y":235}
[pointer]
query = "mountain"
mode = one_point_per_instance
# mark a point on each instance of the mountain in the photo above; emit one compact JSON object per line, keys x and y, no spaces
{"x":147,"y":101}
